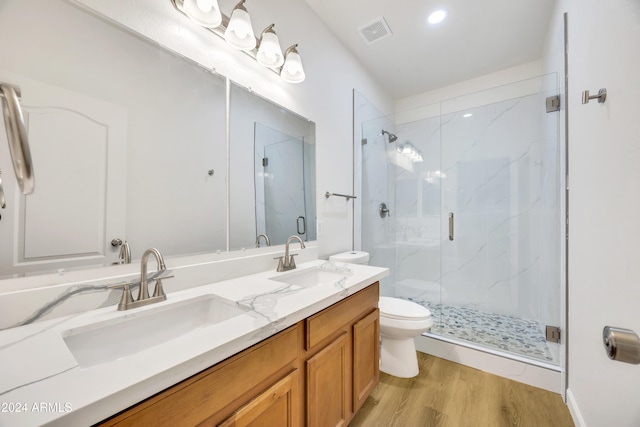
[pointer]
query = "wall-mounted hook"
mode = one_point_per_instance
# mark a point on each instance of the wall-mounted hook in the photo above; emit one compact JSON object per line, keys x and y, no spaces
{"x":601,"y":96}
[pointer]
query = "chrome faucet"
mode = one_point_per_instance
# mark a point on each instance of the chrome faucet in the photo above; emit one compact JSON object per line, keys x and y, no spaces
{"x":144,"y":292}
{"x":127,"y":302}
{"x":266,"y":240}
{"x":288,"y":263}
{"x":125,"y":253}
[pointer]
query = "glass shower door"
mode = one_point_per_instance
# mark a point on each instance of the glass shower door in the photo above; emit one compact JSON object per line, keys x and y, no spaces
{"x":500,"y":232}
{"x":284,"y":190}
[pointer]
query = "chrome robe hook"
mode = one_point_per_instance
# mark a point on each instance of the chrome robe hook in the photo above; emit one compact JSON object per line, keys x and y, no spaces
{"x":601,"y":96}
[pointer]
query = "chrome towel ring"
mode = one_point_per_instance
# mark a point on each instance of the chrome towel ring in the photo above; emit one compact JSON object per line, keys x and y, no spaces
{"x":17,"y":137}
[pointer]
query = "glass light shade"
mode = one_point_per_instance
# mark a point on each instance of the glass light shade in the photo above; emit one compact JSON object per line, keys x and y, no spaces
{"x":292,"y":70}
{"x":269,"y":52}
{"x":204,"y":12}
{"x":239,"y":32}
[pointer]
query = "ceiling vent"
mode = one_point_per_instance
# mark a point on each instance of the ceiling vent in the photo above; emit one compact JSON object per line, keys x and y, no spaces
{"x":375,"y":31}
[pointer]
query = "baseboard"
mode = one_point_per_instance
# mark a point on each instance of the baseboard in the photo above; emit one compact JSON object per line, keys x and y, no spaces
{"x":537,"y":376}
{"x":574,"y":410}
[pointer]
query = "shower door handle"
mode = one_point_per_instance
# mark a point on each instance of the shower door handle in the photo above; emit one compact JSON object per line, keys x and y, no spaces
{"x":304,"y":225}
{"x":450,"y":225}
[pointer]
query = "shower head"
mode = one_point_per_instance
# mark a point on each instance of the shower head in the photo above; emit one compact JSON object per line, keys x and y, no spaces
{"x":392,"y":137}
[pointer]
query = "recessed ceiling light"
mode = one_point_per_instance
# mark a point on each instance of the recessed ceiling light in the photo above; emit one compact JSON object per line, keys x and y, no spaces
{"x":436,"y":16}
{"x":467,"y":115}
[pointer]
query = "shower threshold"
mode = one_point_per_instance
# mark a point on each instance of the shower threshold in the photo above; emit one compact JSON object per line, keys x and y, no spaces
{"x":503,"y":335}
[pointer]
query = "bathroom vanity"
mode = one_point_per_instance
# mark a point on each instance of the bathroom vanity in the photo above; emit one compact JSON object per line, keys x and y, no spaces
{"x":316,"y":373}
{"x":292,"y":348}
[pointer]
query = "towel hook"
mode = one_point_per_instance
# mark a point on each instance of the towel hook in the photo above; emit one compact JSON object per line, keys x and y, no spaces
{"x":601,"y":96}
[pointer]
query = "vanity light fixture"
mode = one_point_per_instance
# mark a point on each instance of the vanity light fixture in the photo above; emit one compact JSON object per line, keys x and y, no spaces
{"x":204,"y":12}
{"x":292,"y":70}
{"x":410,"y":152}
{"x":238,"y":32}
{"x":269,"y":50}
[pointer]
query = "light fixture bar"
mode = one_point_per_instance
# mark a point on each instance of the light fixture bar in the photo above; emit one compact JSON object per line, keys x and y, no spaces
{"x":220,"y":32}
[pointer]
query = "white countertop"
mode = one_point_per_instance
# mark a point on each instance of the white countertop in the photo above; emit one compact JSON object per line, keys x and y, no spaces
{"x":42,"y":383}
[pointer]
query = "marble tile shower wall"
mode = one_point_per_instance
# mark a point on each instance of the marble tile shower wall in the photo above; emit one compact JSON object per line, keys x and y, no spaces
{"x":497,"y":171}
{"x":492,"y":163}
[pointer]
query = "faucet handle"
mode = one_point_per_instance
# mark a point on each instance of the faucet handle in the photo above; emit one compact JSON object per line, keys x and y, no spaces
{"x":126,"y":298}
{"x":292,"y":262}
{"x":159,"y":290}
{"x":280,"y":263}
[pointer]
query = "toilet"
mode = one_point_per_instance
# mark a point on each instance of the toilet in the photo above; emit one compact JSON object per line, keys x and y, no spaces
{"x":400,"y":322}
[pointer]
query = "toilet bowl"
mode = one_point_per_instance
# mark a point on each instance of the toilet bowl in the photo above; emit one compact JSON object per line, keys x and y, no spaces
{"x":400,"y":322}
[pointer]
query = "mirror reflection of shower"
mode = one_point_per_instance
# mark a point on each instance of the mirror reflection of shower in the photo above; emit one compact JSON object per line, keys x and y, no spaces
{"x":392,"y":137}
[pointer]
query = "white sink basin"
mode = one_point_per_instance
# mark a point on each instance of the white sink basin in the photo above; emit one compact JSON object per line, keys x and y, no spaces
{"x":311,"y":277}
{"x":136,"y":331}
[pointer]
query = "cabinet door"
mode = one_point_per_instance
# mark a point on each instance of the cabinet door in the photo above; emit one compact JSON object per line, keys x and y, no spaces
{"x":328,"y":385}
{"x":366,"y":352}
{"x":277,"y":406}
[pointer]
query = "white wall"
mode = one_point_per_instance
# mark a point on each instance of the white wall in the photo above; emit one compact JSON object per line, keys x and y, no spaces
{"x":604,"y":207}
{"x":422,"y":105}
{"x":324,"y":97}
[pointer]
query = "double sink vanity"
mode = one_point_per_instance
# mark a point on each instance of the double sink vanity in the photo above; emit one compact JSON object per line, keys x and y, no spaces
{"x":286,"y":348}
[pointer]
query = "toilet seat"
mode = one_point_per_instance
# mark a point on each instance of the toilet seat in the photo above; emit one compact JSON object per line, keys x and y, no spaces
{"x":400,"y":309}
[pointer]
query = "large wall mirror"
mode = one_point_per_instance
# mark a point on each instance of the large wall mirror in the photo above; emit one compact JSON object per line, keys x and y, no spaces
{"x":129,"y":143}
{"x":273,"y":151}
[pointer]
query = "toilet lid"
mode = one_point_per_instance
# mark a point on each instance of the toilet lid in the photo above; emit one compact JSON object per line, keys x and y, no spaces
{"x":396,"y":308}
{"x":352,"y":257}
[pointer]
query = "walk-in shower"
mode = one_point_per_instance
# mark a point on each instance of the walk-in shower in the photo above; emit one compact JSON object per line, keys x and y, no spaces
{"x":474,"y":228}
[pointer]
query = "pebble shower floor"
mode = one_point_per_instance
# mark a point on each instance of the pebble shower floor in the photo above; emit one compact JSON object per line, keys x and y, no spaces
{"x":507,"y":333}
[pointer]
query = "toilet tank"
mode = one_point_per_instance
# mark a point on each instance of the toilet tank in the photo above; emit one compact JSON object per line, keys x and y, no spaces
{"x":351,"y":257}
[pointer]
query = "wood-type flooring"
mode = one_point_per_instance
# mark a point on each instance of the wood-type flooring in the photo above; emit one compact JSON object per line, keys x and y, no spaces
{"x":447,"y":394}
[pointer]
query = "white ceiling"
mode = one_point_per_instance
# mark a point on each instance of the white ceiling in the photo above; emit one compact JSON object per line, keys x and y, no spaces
{"x":476,"y":38}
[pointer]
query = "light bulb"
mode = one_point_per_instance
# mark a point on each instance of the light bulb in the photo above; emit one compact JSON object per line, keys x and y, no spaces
{"x":239,"y":32}
{"x":204,"y":12}
{"x":292,"y":70}
{"x":269,"y":53}
{"x":204,"y":5}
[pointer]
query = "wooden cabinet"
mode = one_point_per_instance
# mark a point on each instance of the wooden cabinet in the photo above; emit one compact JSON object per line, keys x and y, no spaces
{"x":277,"y":406}
{"x":366,"y":357}
{"x":342,"y":353}
{"x":213,"y":395}
{"x":328,"y":385}
{"x":316,"y":373}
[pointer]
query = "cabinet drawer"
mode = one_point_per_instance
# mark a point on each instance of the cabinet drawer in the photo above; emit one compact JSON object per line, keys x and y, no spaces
{"x":223,"y":387}
{"x":278,"y":406}
{"x":322,"y":325}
